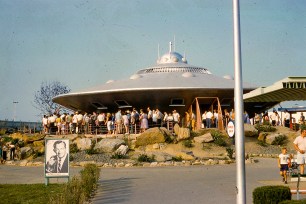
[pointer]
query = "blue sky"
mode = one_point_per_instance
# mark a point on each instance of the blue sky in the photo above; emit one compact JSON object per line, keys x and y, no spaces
{"x":86,"y":43}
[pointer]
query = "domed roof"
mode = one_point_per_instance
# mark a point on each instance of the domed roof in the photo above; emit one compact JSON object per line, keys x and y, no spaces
{"x":172,"y":57}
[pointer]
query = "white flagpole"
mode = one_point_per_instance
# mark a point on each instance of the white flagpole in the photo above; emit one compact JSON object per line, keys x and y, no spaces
{"x":239,"y":129}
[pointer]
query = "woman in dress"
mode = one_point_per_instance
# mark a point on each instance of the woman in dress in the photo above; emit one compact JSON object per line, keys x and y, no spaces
{"x":144,"y":121}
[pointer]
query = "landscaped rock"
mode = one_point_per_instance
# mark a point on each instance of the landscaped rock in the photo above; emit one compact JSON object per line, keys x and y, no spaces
{"x":186,"y":156}
{"x":183,"y":133}
{"x":83,"y":143}
{"x":271,"y":138}
{"x":108,"y":145}
{"x":262,"y":136}
{"x":161,"y":156}
{"x":206,"y":138}
{"x":156,"y":146}
{"x":26,"y":152}
{"x":153,"y":136}
{"x":250,"y":130}
{"x":123,"y":149}
{"x":176,"y":129}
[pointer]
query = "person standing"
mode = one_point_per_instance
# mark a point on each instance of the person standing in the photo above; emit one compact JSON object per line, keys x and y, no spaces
{"x":118,"y":118}
{"x":12,"y":151}
{"x":283,"y":163}
{"x":204,"y":119}
{"x":176,"y":117}
{"x":144,"y":121}
{"x":209,"y":116}
{"x":287,"y":119}
{"x":300,"y":146}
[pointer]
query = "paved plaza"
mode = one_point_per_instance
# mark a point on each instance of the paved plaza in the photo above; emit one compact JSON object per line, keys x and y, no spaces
{"x":190,"y":184}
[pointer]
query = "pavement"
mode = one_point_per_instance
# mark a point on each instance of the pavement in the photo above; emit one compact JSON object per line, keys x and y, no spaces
{"x":189,"y":184}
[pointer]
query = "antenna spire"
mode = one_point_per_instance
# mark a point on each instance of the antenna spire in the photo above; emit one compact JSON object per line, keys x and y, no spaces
{"x":170,"y":46}
{"x":158,"y":51}
{"x":174,"y":43}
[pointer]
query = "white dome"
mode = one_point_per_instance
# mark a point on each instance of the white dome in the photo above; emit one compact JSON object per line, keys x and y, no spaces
{"x":172,"y":57}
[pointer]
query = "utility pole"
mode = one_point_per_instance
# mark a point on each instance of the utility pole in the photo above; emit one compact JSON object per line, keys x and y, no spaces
{"x":15,"y":104}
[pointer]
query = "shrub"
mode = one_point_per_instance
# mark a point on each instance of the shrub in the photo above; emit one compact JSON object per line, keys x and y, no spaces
{"x":187,"y":143}
{"x":73,"y":148}
{"x":230,"y":152}
{"x":262,"y":143}
{"x":7,"y":139}
{"x":89,"y":177}
{"x":177,"y":158}
{"x":218,"y":138}
{"x":146,"y":158}
{"x":78,"y":189}
{"x":280,"y":140}
{"x":265,"y":128}
{"x":271,"y":194}
{"x":118,"y":156}
{"x":2,"y":131}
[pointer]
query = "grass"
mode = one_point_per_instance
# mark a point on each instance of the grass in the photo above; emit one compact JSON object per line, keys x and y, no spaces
{"x":77,"y":190}
{"x":28,"y":193}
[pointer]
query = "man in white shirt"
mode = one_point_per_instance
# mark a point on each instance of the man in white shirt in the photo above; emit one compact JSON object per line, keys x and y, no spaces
{"x":300,"y":146}
{"x":209,"y":115}
{"x":176,"y":116}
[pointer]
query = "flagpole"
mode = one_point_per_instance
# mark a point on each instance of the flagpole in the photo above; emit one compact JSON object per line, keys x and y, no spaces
{"x":239,"y":129}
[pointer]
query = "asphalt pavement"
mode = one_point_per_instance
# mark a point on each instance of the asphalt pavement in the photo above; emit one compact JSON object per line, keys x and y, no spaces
{"x":189,"y":184}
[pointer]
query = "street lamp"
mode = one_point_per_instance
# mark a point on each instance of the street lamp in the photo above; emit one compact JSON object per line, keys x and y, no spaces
{"x":15,"y":103}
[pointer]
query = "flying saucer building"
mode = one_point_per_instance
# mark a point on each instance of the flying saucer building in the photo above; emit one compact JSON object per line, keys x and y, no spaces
{"x":169,"y":84}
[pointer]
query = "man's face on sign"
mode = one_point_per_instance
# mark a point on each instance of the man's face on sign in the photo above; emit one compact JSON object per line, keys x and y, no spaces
{"x":60,"y":150}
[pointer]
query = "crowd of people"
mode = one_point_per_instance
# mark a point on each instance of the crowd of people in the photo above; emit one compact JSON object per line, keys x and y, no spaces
{"x":132,"y":121}
{"x":120,"y":122}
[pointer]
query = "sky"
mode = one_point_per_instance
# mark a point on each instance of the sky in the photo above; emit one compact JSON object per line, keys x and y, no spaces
{"x":86,"y":43}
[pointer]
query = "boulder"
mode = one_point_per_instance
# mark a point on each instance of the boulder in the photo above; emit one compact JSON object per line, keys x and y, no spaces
{"x":108,"y":145}
{"x":26,"y":152}
{"x":206,"y":138}
{"x":156,"y":146}
{"x":183,"y":133}
{"x":123,"y":149}
{"x":250,"y":130}
{"x":185,"y":156}
{"x":83,"y":143}
{"x":161,"y":156}
{"x":262,"y":136}
{"x":152,"y":136}
{"x":271,"y":138}
{"x":176,"y":128}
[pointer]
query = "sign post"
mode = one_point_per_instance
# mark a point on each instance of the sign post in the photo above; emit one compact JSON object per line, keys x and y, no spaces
{"x":56,"y":159}
{"x":231,"y":131}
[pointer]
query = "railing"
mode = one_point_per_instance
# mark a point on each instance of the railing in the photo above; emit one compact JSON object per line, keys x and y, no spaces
{"x":20,"y":126}
{"x":92,"y":128}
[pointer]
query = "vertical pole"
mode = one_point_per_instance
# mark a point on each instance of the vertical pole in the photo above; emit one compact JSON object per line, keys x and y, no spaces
{"x":239,"y":129}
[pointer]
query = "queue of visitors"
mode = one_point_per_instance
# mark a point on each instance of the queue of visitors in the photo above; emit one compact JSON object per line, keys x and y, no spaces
{"x":121,"y":122}
{"x":126,"y":121}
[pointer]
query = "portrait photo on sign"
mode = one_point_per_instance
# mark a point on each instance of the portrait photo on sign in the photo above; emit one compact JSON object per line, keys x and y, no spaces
{"x":56,"y":157}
